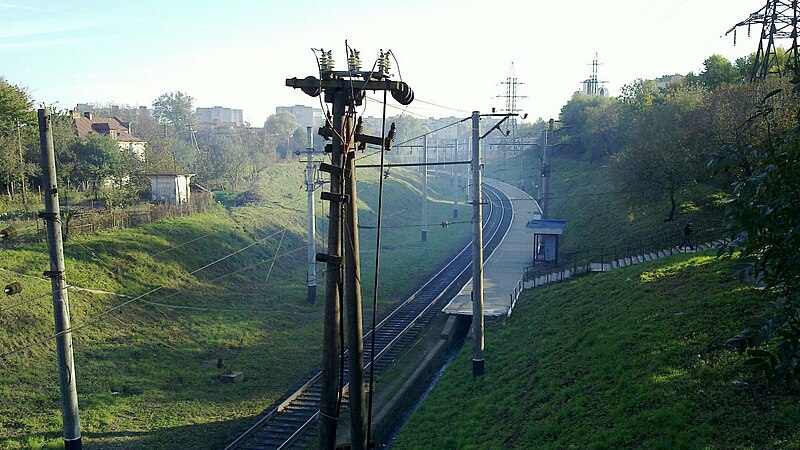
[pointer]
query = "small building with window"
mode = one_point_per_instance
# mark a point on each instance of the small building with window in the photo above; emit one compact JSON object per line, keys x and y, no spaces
{"x":170,"y":188}
{"x":545,"y":238}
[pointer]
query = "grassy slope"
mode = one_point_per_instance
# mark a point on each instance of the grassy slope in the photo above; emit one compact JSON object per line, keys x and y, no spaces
{"x":146,"y":374}
{"x":596,"y":215}
{"x":634,"y":358}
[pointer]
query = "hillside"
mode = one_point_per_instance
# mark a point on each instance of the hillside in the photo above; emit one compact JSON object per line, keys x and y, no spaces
{"x":633,"y":358}
{"x":597,"y":214}
{"x":147,"y":366}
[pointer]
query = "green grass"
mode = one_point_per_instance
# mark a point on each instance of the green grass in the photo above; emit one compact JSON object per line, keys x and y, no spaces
{"x":597,"y":214}
{"x":633,"y":358}
{"x":146,"y":374}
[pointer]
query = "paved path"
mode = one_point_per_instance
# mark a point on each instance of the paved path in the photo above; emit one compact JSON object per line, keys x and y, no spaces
{"x":503,"y":269}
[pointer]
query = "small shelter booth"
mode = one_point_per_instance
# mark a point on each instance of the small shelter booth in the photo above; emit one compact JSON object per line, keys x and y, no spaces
{"x":545,"y":238}
{"x":170,"y":188}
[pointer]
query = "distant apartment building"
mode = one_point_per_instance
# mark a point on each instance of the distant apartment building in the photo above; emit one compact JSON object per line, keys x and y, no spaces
{"x":219,"y":117}
{"x":306,"y":116}
{"x":666,"y":80}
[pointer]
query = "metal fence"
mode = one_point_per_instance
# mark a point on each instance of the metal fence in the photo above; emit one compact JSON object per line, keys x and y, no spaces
{"x":606,"y":258}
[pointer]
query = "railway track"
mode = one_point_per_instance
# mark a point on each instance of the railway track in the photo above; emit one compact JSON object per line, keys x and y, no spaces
{"x":290,"y":423}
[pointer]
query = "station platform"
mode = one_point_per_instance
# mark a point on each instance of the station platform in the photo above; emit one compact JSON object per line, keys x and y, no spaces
{"x":503,"y":269}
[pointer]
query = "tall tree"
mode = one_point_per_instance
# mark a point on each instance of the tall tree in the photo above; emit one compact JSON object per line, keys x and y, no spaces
{"x":96,"y":158}
{"x":764,"y":224}
{"x":718,"y":71}
{"x":16,"y":113}
{"x":174,"y":109}
{"x":665,"y":153}
{"x":578,"y":115}
{"x":282,"y":127}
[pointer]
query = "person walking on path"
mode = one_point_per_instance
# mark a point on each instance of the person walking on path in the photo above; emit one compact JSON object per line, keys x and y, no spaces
{"x":687,"y":237}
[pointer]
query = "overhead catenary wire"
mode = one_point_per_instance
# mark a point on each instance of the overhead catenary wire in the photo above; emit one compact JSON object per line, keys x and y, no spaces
{"x":376,"y":282}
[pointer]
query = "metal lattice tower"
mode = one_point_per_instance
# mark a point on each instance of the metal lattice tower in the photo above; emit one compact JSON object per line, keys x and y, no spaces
{"x":511,"y":97}
{"x":779,"y":21}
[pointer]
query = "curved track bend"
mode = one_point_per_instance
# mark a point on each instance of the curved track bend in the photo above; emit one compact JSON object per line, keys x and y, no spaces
{"x":291,"y":422}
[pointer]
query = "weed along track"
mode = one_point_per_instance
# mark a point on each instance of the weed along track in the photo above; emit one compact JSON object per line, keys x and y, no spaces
{"x":293,"y":421}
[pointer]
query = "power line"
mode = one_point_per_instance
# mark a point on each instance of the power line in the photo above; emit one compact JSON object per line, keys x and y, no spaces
{"x":94,"y":320}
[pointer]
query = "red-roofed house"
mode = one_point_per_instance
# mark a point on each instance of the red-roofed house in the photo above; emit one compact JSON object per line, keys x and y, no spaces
{"x":113,"y":127}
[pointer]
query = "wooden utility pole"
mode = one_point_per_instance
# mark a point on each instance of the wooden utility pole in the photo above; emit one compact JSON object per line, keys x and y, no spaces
{"x":477,"y":250}
{"x":342,"y":89}
{"x":332,"y":327}
{"x":352,"y":295}
{"x":52,"y":217}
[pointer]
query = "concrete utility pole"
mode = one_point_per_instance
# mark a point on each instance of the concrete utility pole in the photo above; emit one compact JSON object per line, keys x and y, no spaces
{"x":311,"y":279}
{"x":468,"y":175}
{"x":477,"y":250}
{"x":424,"y":188}
{"x":546,"y":170}
{"x":342,"y":89}
{"x":455,"y":180}
{"x":52,"y":216}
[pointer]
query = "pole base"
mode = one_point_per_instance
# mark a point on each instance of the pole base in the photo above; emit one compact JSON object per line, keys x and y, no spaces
{"x":312,"y":294}
{"x":455,"y":214}
{"x":74,"y":444}
{"x":424,"y":236}
{"x":477,"y":368}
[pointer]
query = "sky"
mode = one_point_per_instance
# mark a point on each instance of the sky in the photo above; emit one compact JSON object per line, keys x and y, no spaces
{"x":453,"y":54}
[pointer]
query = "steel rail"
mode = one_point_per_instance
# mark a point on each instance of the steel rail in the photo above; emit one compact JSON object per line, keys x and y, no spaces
{"x":417,"y":311}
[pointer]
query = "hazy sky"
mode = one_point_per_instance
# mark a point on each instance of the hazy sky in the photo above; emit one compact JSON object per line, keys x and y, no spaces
{"x":237,"y":54}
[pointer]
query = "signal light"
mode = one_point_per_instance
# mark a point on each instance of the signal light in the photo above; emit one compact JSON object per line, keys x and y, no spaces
{"x":13,"y":288}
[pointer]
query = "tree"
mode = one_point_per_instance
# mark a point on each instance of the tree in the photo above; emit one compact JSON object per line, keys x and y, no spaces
{"x":718,"y":71}
{"x":96,"y":158}
{"x":260,"y":147}
{"x":579,"y":116}
{"x":763,"y":224}
{"x":175,"y":109}
{"x":408,"y":127}
{"x":16,"y":113}
{"x":15,"y":108}
{"x":224,"y":159}
{"x":665,"y":153}
{"x":283,"y":127}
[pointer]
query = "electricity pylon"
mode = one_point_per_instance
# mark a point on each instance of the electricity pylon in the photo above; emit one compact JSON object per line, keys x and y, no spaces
{"x":778,"y":20}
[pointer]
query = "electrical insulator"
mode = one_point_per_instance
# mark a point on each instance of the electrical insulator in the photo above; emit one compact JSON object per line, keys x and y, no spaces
{"x":326,"y":60}
{"x":384,"y":65}
{"x":13,"y":288}
{"x":354,"y":61}
{"x":389,"y":141}
{"x":330,"y":61}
